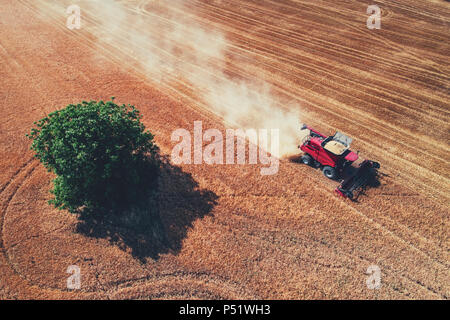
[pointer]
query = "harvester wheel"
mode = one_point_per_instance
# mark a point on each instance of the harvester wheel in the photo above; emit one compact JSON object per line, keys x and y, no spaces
{"x":329,"y":172}
{"x":307,"y":159}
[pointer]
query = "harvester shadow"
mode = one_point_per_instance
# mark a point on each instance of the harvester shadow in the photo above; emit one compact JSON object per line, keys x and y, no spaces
{"x":373,"y":181}
{"x":159,"y":224}
{"x":295,"y":158}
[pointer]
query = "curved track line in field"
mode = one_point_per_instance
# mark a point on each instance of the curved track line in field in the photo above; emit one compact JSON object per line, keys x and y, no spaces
{"x":377,"y":225}
{"x":205,"y":282}
{"x":22,"y":167}
{"x":386,"y":12}
{"x":416,"y":10}
{"x":370,"y":34}
{"x":15,"y":183}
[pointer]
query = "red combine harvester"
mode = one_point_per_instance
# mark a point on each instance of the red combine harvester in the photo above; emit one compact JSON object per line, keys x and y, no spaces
{"x":333,"y":155}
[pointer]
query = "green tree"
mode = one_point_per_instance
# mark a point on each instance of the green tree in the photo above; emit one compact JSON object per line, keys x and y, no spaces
{"x":102,"y":156}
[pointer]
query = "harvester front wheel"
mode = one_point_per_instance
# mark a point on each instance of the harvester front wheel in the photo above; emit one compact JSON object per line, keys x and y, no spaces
{"x":329,"y":172}
{"x":307,"y":159}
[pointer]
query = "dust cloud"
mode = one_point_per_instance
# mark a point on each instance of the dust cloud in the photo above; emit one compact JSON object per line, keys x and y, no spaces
{"x":168,"y":42}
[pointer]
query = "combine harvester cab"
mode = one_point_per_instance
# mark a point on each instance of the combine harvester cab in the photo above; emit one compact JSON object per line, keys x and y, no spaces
{"x":333,"y":155}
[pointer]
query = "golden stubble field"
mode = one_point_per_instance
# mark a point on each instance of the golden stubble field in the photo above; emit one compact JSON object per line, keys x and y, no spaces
{"x":228,"y":231}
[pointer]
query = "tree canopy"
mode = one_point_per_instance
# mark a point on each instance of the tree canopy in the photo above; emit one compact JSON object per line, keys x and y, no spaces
{"x":101,"y":153}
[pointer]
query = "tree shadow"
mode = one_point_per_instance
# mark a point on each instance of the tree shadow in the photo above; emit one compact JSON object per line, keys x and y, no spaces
{"x":157,"y":224}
